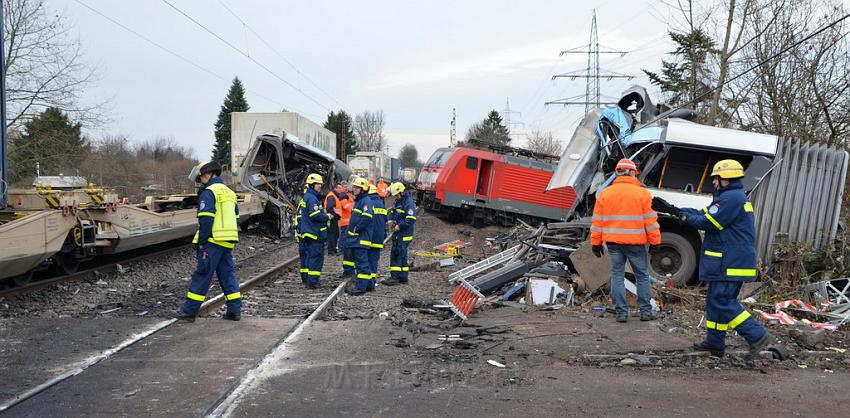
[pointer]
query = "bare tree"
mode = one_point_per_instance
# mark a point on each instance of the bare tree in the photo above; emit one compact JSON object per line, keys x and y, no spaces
{"x":43,"y":65}
{"x":543,"y":142}
{"x":369,"y":129}
{"x":112,"y":162}
{"x":805,"y":93}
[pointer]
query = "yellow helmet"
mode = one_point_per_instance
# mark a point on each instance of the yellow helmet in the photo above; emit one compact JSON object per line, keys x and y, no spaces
{"x":728,"y":169}
{"x":396,"y":188}
{"x":361,"y":183}
{"x":314,"y":178}
{"x":373,"y":189}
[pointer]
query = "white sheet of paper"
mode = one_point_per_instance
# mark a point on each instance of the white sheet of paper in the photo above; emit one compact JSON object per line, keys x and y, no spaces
{"x":540,"y":289}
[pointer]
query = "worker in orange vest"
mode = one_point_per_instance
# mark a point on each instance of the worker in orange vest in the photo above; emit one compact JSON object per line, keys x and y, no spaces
{"x":333,"y":204}
{"x":346,"y":204}
{"x":383,"y":188}
{"x":624,"y":220}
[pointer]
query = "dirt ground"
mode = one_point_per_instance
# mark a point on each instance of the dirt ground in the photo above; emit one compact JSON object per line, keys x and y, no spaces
{"x":410,"y":309}
{"x":392,"y":352}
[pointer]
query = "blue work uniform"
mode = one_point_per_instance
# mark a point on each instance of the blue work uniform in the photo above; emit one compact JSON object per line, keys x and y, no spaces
{"x":379,"y":234}
{"x":312,"y":234}
{"x":357,"y":239}
{"x":301,"y":253}
{"x":217,"y":234}
{"x":403,"y":214}
{"x":728,"y":259}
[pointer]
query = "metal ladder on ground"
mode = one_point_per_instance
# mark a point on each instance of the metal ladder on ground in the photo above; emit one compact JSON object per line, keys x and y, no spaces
{"x":484,"y":264}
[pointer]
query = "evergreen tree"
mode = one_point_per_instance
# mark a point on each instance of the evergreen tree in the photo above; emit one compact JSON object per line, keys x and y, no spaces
{"x":53,"y":141}
{"x":234,"y":102}
{"x":340,"y":124}
{"x":409,"y":156}
{"x":490,"y":131}
{"x":688,"y":77}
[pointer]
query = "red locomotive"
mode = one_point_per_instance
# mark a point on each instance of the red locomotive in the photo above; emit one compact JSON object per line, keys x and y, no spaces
{"x":492,"y":187}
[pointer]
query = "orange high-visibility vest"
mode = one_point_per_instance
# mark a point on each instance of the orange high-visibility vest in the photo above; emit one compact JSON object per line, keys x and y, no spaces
{"x":345,"y":205}
{"x":342,"y":209}
{"x":623,"y":215}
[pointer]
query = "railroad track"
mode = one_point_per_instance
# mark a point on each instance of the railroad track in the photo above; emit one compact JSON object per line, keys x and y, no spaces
{"x":108,"y":267}
{"x":84,"y":274}
{"x":210,"y":305}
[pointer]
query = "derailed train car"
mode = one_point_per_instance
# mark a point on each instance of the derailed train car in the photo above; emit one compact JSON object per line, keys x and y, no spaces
{"x":491,"y":186}
{"x":53,"y":229}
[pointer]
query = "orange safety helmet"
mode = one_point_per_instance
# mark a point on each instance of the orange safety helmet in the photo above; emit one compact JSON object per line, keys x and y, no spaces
{"x":626,"y":164}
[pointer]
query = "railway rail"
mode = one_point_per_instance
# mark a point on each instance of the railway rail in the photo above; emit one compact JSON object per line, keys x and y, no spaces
{"x":106,"y":267}
{"x":328,"y":294}
{"x":83,"y":274}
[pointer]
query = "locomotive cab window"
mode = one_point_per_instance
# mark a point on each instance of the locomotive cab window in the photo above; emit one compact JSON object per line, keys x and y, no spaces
{"x":471,"y":163}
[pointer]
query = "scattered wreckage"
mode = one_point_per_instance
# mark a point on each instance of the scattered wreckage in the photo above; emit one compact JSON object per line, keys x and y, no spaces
{"x":276,"y":167}
{"x":796,"y":189}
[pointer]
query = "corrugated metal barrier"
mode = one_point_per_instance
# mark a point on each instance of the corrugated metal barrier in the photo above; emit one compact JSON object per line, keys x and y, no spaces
{"x":801,"y":196}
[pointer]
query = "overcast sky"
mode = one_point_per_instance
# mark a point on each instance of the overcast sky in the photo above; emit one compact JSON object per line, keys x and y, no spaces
{"x":416,"y":60}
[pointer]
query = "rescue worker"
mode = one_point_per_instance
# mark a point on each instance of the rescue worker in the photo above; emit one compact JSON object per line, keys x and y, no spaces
{"x":624,"y":220}
{"x":218,"y":233}
{"x":357,"y":237}
{"x":313,"y":231}
{"x":379,"y":232}
{"x":728,"y":259}
{"x":333,"y":203}
{"x":402,"y":217}
{"x":301,"y":253}
{"x":383,"y":189}
{"x":346,"y":205}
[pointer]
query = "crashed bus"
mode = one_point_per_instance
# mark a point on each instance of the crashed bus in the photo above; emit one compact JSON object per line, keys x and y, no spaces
{"x":795,"y":187}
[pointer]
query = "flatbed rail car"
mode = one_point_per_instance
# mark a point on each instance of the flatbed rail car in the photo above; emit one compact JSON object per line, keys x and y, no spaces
{"x":56,"y":229}
{"x":488,"y":187}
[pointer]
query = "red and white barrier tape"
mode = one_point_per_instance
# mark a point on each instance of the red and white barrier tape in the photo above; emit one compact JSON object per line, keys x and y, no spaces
{"x":785,"y":319}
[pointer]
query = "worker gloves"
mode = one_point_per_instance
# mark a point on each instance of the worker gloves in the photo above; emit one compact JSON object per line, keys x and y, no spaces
{"x":598,"y":251}
{"x":661,"y":205}
{"x":653,"y":248}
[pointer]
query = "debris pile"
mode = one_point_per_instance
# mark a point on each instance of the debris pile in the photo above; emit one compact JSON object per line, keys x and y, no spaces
{"x":534,"y":267}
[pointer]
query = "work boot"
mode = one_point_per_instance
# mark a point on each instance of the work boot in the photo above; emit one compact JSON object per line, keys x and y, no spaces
{"x":353,"y":290}
{"x":757,"y":347}
{"x":312,"y":286}
{"x":622,"y":318}
{"x":183,"y":316}
{"x":648,"y":316}
{"x":392,"y":281}
{"x":232,"y":317}
{"x":702,"y":346}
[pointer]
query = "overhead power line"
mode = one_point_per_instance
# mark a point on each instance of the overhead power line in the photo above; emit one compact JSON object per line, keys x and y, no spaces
{"x":592,"y":73}
{"x":282,"y":57}
{"x":246,"y":55}
{"x":175,"y":54}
